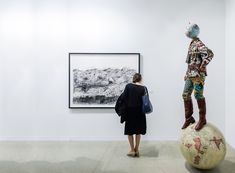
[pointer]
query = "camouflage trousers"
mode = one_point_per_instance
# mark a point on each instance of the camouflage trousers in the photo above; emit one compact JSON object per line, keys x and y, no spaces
{"x":195,"y":84}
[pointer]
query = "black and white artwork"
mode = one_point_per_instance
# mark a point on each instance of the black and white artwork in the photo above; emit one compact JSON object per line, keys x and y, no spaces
{"x":97,"y":79}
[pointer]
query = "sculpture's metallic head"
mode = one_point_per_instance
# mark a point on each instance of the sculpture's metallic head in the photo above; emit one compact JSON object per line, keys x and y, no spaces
{"x":192,"y":31}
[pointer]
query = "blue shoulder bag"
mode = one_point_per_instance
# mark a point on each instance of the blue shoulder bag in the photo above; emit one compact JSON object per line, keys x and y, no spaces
{"x":147,"y":106}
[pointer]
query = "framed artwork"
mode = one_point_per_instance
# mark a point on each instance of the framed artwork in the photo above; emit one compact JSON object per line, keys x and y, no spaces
{"x":96,"y":80}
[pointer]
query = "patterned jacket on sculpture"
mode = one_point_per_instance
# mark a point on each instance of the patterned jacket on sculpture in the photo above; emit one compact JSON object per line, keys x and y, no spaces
{"x":198,"y":54}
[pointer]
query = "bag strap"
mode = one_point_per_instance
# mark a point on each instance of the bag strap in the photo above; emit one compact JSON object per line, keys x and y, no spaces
{"x":146,"y":90}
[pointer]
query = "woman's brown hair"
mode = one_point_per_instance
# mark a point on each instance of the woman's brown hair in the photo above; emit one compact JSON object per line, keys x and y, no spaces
{"x":137,"y":78}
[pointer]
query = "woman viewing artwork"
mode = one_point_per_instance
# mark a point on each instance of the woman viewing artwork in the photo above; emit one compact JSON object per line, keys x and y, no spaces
{"x":135,"y":119}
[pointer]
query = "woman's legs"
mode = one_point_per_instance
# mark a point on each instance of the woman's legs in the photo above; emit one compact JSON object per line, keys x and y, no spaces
{"x":137,"y":142}
{"x":131,"y":142}
{"x":134,"y":149}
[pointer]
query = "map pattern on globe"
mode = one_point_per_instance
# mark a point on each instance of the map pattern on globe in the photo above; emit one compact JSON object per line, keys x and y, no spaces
{"x":205,"y":148}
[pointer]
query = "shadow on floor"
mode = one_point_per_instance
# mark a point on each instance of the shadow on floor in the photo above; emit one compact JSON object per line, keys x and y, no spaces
{"x":80,"y":165}
{"x":150,"y":151}
{"x":225,"y":167}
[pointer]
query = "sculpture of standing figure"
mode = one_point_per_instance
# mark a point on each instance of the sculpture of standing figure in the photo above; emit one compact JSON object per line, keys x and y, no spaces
{"x":198,"y":58}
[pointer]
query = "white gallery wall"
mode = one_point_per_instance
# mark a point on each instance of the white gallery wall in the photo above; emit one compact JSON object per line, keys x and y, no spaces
{"x":36,"y":37}
{"x":230,"y":70}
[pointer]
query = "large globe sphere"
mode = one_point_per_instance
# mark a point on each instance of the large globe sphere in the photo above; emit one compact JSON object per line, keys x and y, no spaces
{"x":203,"y":149}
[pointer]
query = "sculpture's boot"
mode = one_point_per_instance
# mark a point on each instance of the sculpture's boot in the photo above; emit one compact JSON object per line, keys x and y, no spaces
{"x":202,"y":113}
{"x":188,"y":108}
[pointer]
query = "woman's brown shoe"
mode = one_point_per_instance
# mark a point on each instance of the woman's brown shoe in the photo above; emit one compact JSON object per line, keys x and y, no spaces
{"x":137,"y":154}
{"x":131,"y":154}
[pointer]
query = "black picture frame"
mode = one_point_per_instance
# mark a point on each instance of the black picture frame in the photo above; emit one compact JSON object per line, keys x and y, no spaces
{"x":104,"y":64}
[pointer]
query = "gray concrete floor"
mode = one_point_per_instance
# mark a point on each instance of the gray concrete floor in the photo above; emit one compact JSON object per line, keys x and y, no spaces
{"x":99,"y":157}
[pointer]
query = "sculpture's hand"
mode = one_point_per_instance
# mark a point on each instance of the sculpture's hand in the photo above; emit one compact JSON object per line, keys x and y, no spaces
{"x":202,"y":68}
